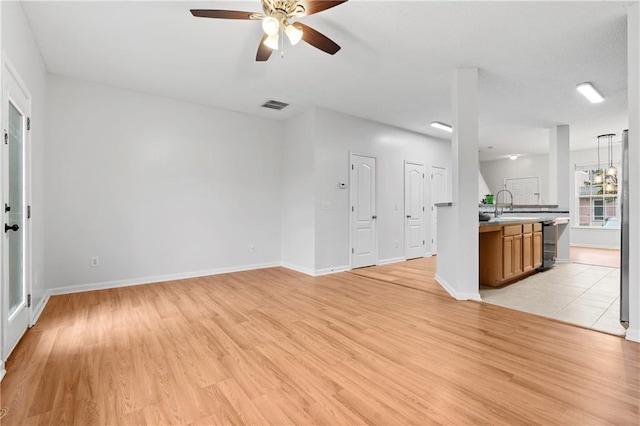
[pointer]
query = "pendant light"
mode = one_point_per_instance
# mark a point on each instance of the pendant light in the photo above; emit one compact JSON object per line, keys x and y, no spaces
{"x":597,"y":177}
{"x":612,"y":170}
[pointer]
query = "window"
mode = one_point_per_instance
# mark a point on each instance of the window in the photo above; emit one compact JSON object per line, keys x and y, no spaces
{"x":597,"y":196}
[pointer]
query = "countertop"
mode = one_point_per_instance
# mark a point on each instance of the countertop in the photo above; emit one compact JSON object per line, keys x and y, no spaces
{"x":493,"y":223}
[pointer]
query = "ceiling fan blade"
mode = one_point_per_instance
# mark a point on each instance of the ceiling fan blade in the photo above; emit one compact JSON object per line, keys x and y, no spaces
{"x":315,"y":6}
{"x":222,"y":14}
{"x":264,"y":52}
{"x":317,"y":40}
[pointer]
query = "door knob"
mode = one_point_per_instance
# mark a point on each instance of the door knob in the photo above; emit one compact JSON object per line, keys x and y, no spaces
{"x":374,"y":217}
{"x":13,"y":227}
{"x":408,"y":216}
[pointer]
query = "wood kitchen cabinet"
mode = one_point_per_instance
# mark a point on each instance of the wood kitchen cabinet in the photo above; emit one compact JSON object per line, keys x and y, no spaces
{"x":537,"y":245}
{"x":509,"y":252}
{"x":527,"y":247}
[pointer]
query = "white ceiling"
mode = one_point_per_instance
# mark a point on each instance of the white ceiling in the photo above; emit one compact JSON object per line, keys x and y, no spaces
{"x":395,"y":65}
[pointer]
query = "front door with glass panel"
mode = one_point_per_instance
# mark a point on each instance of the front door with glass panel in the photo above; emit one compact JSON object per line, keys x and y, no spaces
{"x":15,"y":307}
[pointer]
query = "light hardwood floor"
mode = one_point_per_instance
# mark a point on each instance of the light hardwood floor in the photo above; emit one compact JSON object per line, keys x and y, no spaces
{"x":274,"y":346}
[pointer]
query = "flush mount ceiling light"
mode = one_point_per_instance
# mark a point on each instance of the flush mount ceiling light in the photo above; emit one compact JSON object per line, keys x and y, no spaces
{"x":276,"y":22}
{"x":589,"y":92}
{"x":442,"y":126}
{"x":513,"y":157}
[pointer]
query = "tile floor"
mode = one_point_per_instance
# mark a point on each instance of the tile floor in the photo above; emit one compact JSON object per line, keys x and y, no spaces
{"x":580,"y":294}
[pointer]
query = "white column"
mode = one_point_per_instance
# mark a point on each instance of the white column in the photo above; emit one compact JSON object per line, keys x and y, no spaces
{"x":457,"y":267}
{"x":633,"y":75}
{"x":559,"y":165}
{"x":560,"y":183}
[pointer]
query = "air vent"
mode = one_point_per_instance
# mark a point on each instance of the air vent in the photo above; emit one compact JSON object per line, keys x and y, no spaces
{"x":277,"y":105}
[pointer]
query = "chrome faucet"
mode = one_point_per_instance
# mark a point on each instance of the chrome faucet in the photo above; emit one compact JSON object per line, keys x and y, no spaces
{"x":495,"y":213}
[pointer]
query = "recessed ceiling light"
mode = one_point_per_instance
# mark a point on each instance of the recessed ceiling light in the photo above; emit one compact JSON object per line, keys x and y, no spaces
{"x":589,"y":92}
{"x":441,"y":126}
{"x":513,"y":156}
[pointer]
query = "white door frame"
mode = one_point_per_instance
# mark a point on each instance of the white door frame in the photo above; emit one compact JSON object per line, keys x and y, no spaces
{"x":424,"y":215}
{"x":351,"y":204}
{"x":432,"y":203}
{"x":537,"y":178}
{"x":14,"y":89}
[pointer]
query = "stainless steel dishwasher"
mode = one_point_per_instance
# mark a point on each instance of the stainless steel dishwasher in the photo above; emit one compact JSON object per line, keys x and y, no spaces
{"x":549,"y":242}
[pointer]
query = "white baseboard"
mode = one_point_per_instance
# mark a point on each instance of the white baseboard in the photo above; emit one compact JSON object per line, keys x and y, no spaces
{"x":2,"y":370}
{"x":456,"y":295}
{"x":428,"y":254}
{"x":561,"y":261}
{"x":160,"y":278}
{"x":38,"y":310}
{"x":335,"y":270}
{"x":301,"y":269}
{"x":392,"y":260}
{"x":598,"y":246}
{"x":633,"y":334}
{"x":315,"y":272}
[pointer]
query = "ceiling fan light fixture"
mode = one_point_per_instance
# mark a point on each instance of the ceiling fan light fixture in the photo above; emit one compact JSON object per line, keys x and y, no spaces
{"x":270,"y":25}
{"x":272,"y":42}
{"x":293,"y":33}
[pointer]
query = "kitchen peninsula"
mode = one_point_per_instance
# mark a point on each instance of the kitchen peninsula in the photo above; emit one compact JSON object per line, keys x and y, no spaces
{"x":511,"y":248}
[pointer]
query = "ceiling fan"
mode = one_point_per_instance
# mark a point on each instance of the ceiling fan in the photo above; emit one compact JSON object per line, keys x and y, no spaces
{"x":276,"y":20}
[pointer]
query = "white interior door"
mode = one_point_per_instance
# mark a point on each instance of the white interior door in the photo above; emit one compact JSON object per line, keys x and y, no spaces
{"x":364,"y":250}
{"x":15,"y":282}
{"x":438,"y":195}
{"x":524,"y":190}
{"x":414,"y":228}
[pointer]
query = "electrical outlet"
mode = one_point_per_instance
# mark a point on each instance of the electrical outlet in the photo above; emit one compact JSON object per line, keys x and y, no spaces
{"x":253,"y":248}
{"x":95,"y":261}
{"x":397,"y":244}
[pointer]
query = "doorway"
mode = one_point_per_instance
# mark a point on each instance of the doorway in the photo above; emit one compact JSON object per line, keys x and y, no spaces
{"x":16,"y":108}
{"x":364,"y":238}
{"x":414,"y":227}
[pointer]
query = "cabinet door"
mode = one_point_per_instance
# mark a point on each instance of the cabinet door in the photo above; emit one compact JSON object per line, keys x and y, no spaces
{"x":537,"y":249}
{"x":507,"y":257}
{"x":517,"y":254}
{"x":527,"y":252}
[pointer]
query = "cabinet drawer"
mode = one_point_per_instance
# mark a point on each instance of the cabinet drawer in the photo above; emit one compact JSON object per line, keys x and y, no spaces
{"x":511,"y":230}
{"x":527,"y":228}
{"x":537,"y":227}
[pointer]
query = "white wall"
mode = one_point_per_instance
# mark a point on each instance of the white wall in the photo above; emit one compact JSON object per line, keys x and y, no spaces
{"x":298,"y":197}
{"x":483,"y":188}
{"x":336,"y":136}
{"x":496,"y":171}
{"x":592,"y":237}
{"x":21,"y":50}
{"x":155,"y":187}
